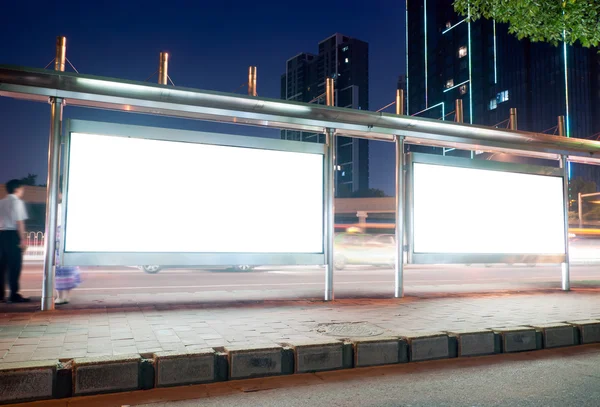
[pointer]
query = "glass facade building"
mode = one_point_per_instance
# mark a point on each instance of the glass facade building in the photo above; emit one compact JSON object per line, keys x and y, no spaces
{"x":449,"y":58}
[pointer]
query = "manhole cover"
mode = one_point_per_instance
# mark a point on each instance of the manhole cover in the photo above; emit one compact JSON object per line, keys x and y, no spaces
{"x":350,"y":329}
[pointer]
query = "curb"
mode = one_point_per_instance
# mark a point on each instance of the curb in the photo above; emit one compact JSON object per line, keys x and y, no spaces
{"x":45,"y":380}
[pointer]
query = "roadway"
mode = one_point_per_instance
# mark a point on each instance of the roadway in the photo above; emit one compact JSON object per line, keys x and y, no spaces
{"x":562,"y":377}
{"x":122,"y":286}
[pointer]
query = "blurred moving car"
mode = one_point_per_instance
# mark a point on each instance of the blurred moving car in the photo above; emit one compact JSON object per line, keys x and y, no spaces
{"x":351,"y":248}
{"x":154,"y":268}
{"x":364,"y":249}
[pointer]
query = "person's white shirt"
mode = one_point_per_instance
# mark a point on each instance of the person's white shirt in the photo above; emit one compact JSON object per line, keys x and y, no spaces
{"x":12,"y":210}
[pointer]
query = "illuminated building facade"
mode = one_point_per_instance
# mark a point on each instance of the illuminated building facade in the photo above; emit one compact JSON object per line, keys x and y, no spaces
{"x":449,"y":58}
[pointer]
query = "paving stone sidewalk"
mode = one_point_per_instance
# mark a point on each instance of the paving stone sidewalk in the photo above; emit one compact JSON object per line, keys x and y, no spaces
{"x":69,"y":334}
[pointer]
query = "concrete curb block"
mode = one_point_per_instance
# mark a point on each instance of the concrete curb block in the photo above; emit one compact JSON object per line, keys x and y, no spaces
{"x":106,"y":374}
{"x":287,"y":361}
{"x":147,"y":374}
{"x":428,"y":346}
{"x":27,"y":381}
{"x":63,"y":386}
{"x":254,"y":361}
{"x":182,"y":368}
{"x":347,"y":355}
{"x":518,"y":339}
{"x":379,"y":351}
{"x":557,"y":335}
{"x":221,"y":367}
{"x":589,"y":330}
{"x":474,"y":343}
{"x":318,"y":356}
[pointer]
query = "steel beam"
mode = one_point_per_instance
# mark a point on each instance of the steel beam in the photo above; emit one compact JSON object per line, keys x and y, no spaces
{"x":142,"y":97}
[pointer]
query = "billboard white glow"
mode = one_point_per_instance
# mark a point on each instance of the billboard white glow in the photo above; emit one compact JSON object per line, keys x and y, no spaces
{"x":139,"y":195}
{"x":465,"y":210}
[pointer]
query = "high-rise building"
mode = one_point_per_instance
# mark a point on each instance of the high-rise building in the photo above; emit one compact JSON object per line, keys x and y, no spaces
{"x":347,"y":61}
{"x":449,"y":58}
{"x":402,"y":86}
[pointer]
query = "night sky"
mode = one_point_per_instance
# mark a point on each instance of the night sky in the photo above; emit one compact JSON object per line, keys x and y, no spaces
{"x":211,"y":45}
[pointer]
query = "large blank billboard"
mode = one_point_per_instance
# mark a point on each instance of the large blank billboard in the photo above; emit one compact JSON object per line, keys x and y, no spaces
{"x":478,"y":209}
{"x":176,"y":194}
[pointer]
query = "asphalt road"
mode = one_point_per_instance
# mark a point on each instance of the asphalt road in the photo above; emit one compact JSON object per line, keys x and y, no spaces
{"x":565,"y":377}
{"x":106,"y":285}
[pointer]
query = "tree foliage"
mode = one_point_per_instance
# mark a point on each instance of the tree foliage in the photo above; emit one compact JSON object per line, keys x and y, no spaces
{"x":580,"y":186}
{"x":30,"y":179}
{"x":369,"y":193}
{"x":551,"y":21}
{"x":344,"y":191}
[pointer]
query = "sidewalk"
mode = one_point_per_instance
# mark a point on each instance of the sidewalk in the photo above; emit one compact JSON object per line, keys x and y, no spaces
{"x":78,"y":333}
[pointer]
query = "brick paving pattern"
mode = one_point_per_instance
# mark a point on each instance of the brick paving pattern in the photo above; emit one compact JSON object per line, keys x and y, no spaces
{"x":69,"y":334}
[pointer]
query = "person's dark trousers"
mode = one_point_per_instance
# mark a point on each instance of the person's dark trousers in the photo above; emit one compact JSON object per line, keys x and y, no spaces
{"x":11,"y":261}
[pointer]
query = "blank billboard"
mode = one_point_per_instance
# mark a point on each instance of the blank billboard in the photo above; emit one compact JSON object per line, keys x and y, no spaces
{"x":136,"y":195}
{"x":478,"y":211}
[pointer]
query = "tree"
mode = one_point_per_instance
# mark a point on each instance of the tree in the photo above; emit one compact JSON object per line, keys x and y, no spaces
{"x":552,"y":21}
{"x":345,"y":191}
{"x":29,"y":179}
{"x":369,"y":193}
{"x":580,"y":186}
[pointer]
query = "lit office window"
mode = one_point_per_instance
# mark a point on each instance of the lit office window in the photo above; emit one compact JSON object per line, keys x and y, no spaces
{"x":448,"y":24}
{"x":462,"y":52}
{"x":449,"y":83}
{"x":502,"y":97}
{"x":346,"y":60}
{"x":462,"y":89}
{"x":345,"y":49}
{"x":493,"y":104}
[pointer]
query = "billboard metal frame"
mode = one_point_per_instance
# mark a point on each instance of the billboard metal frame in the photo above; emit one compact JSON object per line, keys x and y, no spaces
{"x":185,"y":258}
{"x":473,"y":258}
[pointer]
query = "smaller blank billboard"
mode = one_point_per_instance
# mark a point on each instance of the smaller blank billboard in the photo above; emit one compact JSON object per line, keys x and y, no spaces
{"x":137,"y":195}
{"x":462,"y":210}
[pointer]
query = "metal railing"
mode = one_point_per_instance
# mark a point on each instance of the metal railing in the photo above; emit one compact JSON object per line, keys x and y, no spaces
{"x":35,"y":246}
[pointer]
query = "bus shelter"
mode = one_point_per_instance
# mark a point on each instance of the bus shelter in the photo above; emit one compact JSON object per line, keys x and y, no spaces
{"x":482,"y":189}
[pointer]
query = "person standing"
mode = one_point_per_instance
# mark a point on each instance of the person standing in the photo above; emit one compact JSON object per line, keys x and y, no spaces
{"x":67,"y":277}
{"x":13,"y":215}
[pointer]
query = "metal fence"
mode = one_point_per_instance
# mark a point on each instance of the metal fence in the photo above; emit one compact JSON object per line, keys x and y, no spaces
{"x":35,"y":246}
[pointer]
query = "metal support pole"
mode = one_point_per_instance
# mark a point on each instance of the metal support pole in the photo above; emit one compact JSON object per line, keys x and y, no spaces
{"x":61,"y":54}
{"x":565,"y":267}
{"x":399,"y":280}
{"x":329,"y":92}
{"x":399,"y":101}
{"x":579,"y":210}
{"x":561,"y":126}
{"x":513,"y":118}
{"x":252,"y":81}
{"x":56,"y":108}
{"x":458,"y":111}
{"x":163,"y":69}
{"x":329,"y":211}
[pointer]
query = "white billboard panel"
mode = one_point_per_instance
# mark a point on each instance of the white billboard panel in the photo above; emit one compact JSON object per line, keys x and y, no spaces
{"x":460,"y":210}
{"x":136,"y":195}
